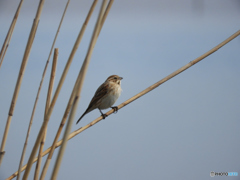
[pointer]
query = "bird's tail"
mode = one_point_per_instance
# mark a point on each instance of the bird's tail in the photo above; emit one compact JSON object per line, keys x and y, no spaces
{"x":81,"y":117}
{"x":89,"y":109}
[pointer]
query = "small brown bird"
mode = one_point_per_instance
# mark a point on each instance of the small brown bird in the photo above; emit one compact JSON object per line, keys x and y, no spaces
{"x":105,"y":96}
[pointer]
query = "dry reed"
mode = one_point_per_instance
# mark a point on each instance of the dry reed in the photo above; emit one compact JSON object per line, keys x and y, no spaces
{"x":48,"y":101}
{"x":39,"y":89}
{"x":105,"y":14}
{"x":9,"y":34}
{"x":67,"y":110}
{"x":73,"y":134}
{"x":47,"y":117}
{"x":48,"y":160}
{"x":20,"y":77}
{"x":77,"y":90}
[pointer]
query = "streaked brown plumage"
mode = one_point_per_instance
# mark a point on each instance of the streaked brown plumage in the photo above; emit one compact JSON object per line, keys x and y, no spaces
{"x":105,"y":96}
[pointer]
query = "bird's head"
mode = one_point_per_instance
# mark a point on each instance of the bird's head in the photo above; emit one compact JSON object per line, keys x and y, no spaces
{"x":115,"y":79}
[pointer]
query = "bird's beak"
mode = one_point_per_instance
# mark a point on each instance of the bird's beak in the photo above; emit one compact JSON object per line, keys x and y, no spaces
{"x":120,"y":78}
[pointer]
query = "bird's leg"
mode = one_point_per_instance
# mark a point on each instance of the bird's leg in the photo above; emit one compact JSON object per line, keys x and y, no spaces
{"x":115,"y":108}
{"x":103,"y":115}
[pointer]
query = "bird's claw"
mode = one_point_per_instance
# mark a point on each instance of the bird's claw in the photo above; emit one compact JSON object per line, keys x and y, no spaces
{"x":115,"y":108}
{"x":104,"y":116}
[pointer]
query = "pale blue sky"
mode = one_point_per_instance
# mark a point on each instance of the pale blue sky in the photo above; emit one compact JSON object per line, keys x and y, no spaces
{"x":184,"y":129}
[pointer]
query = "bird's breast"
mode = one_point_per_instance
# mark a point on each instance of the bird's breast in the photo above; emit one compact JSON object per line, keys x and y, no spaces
{"x":113,"y":94}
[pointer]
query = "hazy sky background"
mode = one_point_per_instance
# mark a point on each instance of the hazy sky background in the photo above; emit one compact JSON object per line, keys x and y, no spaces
{"x":184,"y":129}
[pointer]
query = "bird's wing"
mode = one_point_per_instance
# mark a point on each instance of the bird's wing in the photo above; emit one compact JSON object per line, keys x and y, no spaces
{"x":99,"y":94}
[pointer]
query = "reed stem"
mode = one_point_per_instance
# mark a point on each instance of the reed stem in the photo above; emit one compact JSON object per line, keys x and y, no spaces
{"x":48,"y":160}
{"x":47,"y":117}
{"x":39,"y":89}
{"x":77,"y":91}
{"x":49,"y":95}
{"x":20,"y":77}
{"x":9,"y":34}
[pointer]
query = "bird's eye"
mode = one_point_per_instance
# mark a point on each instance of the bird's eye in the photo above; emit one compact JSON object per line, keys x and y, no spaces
{"x":115,"y":77}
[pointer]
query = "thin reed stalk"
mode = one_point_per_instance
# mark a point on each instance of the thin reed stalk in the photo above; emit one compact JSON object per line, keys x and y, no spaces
{"x":48,"y":160}
{"x":5,"y":46}
{"x":150,"y":88}
{"x":47,"y":117}
{"x":46,"y":165}
{"x":77,"y":90}
{"x":20,"y":77}
{"x":105,"y":15}
{"x":9,"y":34}
{"x":39,"y":89}
{"x":48,"y":101}
{"x":39,"y":161}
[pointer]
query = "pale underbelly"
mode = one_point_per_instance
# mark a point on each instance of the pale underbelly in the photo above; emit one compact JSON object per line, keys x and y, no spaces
{"x":108,"y":101}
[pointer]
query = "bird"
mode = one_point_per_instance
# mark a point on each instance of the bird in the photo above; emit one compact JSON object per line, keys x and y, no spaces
{"x":105,"y":96}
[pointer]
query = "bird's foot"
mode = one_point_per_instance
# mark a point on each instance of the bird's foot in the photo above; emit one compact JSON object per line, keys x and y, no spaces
{"x":104,"y":116}
{"x":115,"y":108}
